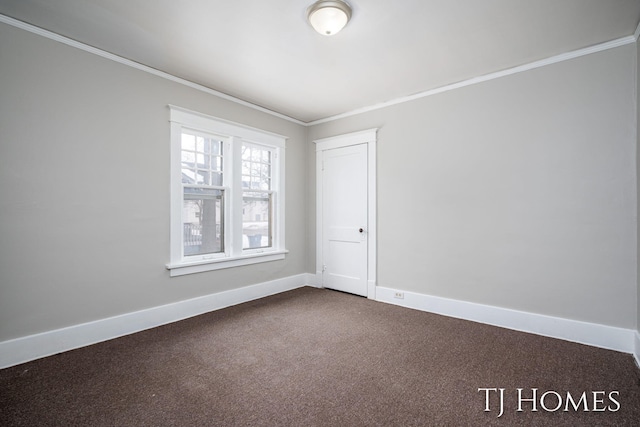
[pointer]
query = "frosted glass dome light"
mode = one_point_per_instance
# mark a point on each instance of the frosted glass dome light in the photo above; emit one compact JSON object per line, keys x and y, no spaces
{"x":328,"y":17}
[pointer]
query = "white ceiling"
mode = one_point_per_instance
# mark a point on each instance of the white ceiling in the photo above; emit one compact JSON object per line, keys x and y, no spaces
{"x":264,"y":51}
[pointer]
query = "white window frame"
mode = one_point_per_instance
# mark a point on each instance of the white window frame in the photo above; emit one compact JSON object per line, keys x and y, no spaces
{"x":233,"y":135}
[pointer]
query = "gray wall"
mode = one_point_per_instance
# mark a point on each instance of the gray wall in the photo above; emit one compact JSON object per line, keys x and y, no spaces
{"x":519,"y":192}
{"x":84,"y":179}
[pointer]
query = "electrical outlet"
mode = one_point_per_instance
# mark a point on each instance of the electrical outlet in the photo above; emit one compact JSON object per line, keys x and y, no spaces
{"x":399,"y":295}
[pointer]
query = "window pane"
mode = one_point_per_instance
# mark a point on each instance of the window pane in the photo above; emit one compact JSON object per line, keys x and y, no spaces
{"x":201,"y":159}
{"x":266,"y":172}
{"x":246,"y":153}
{"x":256,"y":154}
{"x":203,"y":221}
{"x":256,"y":168}
{"x":188,"y":157}
{"x":216,"y":178}
{"x":216,"y":163}
{"x":216,"y":147}
{"x":188,"y":142}
{"x":256,"y":220}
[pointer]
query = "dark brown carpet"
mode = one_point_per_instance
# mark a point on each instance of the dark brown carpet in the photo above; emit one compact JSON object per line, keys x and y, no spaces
{"x":317,"y":357}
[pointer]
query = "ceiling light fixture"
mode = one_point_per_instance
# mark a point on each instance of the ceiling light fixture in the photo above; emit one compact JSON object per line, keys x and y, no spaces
{"x":328,"y":17}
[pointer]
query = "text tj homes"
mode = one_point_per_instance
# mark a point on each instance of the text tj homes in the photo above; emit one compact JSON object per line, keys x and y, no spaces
{"x":551,"y":401}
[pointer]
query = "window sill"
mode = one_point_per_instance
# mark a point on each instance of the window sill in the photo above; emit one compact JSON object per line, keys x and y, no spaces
{"x":180,"y":269}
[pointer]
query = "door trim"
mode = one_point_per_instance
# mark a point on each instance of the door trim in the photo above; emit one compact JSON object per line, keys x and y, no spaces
{"x":368,"y":137}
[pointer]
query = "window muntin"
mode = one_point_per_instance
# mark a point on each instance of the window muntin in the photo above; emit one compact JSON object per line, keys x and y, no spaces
{"x":227,"y":194}
{"x":201,"y":159}
{"x":256,"y":167}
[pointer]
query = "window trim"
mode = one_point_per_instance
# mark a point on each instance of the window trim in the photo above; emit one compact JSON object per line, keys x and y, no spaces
{"x":233,"y":135}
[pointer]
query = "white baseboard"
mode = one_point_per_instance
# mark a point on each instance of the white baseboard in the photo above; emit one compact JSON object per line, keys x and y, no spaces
{"x":316,"y":279}
{"x":24,"y":349}
{"x":636,"y":352}
{"x":371,"y":289}
{"x":593,"y":334}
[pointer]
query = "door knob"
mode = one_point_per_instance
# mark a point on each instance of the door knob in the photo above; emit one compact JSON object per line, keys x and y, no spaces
{"x":361,"y":230}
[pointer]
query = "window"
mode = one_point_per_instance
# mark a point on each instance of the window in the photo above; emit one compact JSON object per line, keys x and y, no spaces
{"x":227,"y":194}
{"x":203,"y":193}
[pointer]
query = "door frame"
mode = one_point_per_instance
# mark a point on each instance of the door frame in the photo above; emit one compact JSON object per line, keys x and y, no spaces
{"x":368,"y":137}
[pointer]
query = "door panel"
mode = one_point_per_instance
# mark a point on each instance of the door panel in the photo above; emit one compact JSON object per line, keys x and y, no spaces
{"x":344,"y":218}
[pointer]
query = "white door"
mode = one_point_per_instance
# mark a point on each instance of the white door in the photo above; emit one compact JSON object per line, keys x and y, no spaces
{"x":344,"y":219}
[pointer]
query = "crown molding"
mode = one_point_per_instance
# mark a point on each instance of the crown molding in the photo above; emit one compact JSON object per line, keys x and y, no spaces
{"x":119,"y":59}
{"x":491,"y":76}
{"x":475,"y":80}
